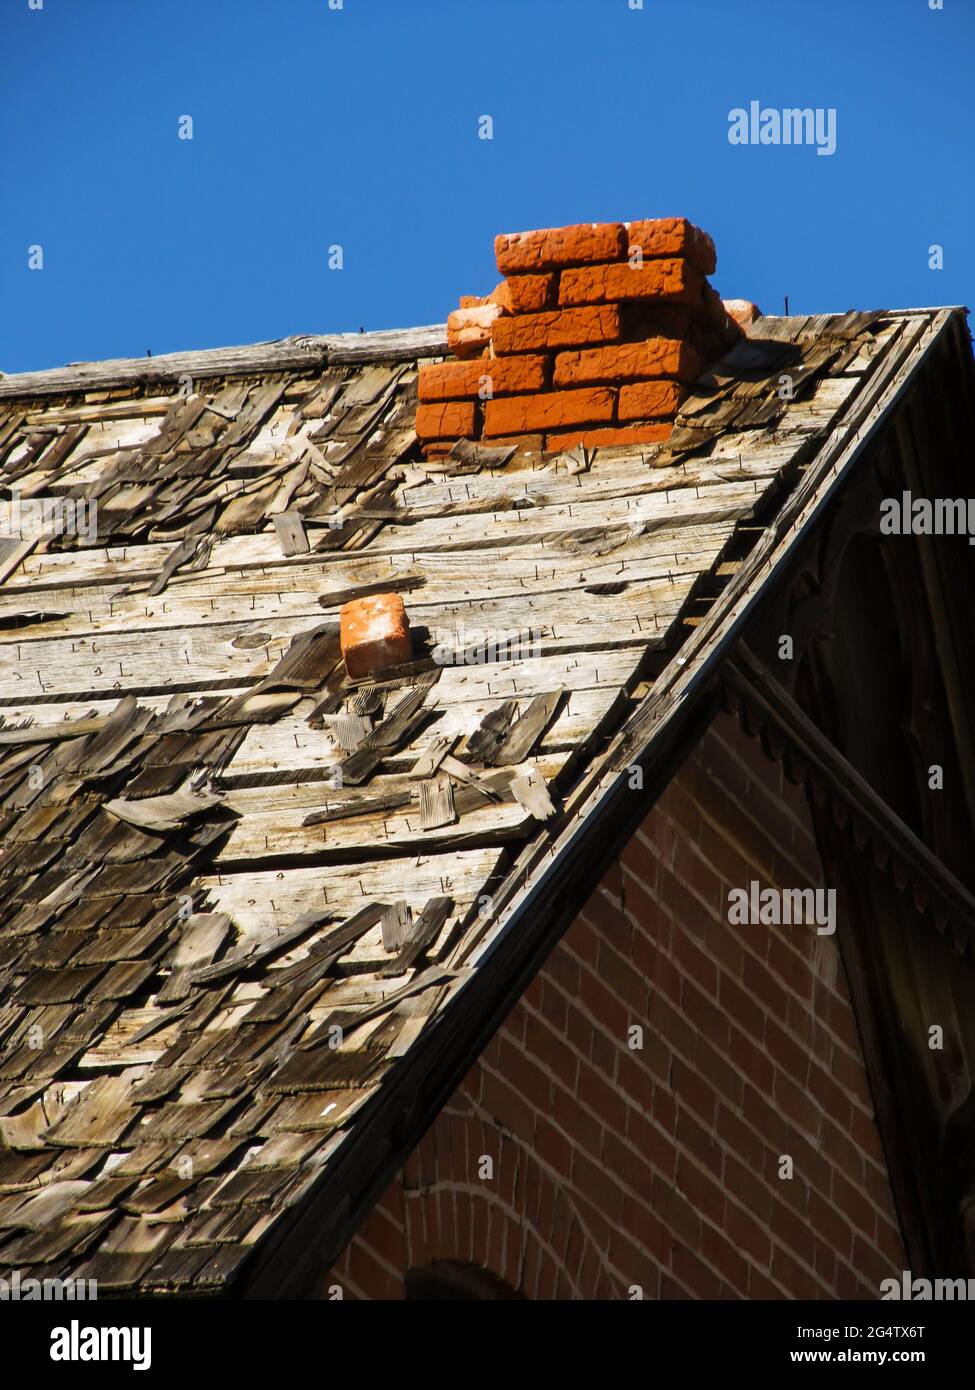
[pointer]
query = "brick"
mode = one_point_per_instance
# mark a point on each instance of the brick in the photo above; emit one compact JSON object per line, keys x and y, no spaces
{"x":555,"y":409}
{"x":609,"y":438}
{"x":831,"y":1097}
{"x":849,"y":1072}
{"x":532,"y":1083}
{"x":482,"y":377}
{"x":644,"y":1228}
{"x":793,"y":1232}
{"x":677,"y":1214}
{"x":715,"y":1067}
{"x":694,"y":963}
{"x":554,"y":328}
{"x":647,"y":399}
{"x":553,"y":1147}
{"x":370,"y":1276}
{"x":598,"y":1187}
{"x":374,"y":634}
{"x":579,"y":1030}
{"x":506,"y":1106}
{"x":721,"y":1255}
{"x":552,"y":247}
{"x":632,"y":1168}
{"x":636,"y":1079}
{"x":464,"y":1226}
{"x":657,"y":357}
{"x":527,"y":294}
{"x":664,"y":1107}
{"x":799,"y":1282}
{"x":585,"y":1130}
{"x":766,"y":1118}
{"x":747,"y":1234}
{"x":693,"y":1091}
{"x":673,"y":236}
{"x":761,"y":1289}
{"x":795,"y":1103}
{"x":743,"y":311}
{"x":825,"y":1263}
{"x":705,"y":1015}
{"x":699,"y":875}
{"x":791,"y":967}
{"x":623,"y":980}
{"x":671,"y":1025}
{"x":550,"y":1050}
{"x":740,"y":1006}
{"x":469,"y":330}
{"x":737,"y":1136}
{"x":863,"y":1129}
{"x":751,"y":1061}
{"x":699,"y":1142}
{"x":635,"y":1266}
{"x":604,"y":1053}
{"x":707,"y":1196}
{"x":639,"y":859}
{"x":583,"y":939}
{"x":667,"y":281}
{"x":512,"y":1254}
{"x":383,"y":1236}
{"x":554,"y":1005}
{"x":787,"y":1054}
{"x":602,"y":1003}
{"x":602,"y":1098}
{"x":748,"y":1188}
{"x":756,"y":978}
{"x":841,"y":1150}
{"x":448,"y":420}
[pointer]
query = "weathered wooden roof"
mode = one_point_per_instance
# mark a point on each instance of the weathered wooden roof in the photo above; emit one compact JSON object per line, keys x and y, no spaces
{"x":242,"y":898}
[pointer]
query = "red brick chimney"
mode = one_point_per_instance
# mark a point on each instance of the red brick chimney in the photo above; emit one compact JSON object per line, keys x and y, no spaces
{"x":590,"y":338}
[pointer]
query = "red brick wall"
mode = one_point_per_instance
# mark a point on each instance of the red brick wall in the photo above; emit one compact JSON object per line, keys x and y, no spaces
{"x":616,"y":1167}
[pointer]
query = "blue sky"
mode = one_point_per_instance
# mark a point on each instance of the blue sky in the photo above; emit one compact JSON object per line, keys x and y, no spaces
{"x":359,"y":127}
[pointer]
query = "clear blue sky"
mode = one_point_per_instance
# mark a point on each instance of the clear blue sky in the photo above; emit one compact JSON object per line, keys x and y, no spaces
{"x":359,"y":127}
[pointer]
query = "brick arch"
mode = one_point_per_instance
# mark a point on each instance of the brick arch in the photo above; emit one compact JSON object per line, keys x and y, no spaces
{"x":521,"y":1227}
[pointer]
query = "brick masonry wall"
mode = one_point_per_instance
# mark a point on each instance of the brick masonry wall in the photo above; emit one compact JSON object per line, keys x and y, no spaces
{"x":617,"y":1168}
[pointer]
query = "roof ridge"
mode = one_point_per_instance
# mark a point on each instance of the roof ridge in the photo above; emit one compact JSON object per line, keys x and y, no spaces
{"x":298,"y":351}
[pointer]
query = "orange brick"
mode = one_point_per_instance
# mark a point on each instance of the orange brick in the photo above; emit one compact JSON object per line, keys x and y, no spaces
{"x":608,"y":439}
{"x":557,"y":246}
{"x":375,"y":634}
{"x":648,"y":400}
{"x":484,"y":377}
{"x":674,"y":236}
{"x":469,"y":330}
{"x":556,"y":328}
{"x":657,"y":357}
{"x":446,"y":420}
{"x":527,"y":294}
{"x":521,"y":414}
{"x":673,"y":281}
{"x":743,"y":311}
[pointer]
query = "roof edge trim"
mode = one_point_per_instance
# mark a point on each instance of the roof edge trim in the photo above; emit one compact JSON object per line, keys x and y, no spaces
{"x":283,"y":354}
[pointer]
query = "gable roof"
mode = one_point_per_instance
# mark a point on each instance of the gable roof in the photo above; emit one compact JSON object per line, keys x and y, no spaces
{"x":190,"y":908}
